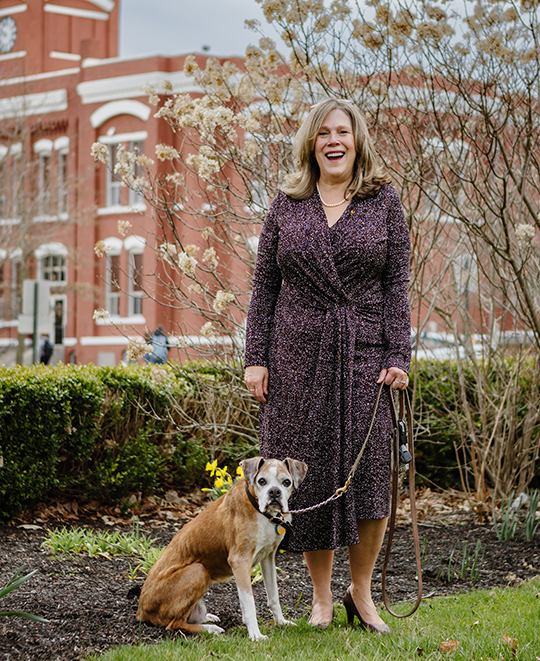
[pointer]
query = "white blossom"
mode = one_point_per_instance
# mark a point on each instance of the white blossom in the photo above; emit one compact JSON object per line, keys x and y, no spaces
{"x":101,"y":248}
{"x":221,"y":301}
{"x":208,"y":329}
{"x":153,"y":97}
{"x":138,"y":348}
{"x":525,"y":234}
{"x":168,"y":252}
{"x":123,"y":227}
{"x":166,"y":152}
{"x":101,"y":314}
{"x":100,"y":152}
{"x":192,"y":250}
{"x":187,"y":263}
{"x":210,"y":257}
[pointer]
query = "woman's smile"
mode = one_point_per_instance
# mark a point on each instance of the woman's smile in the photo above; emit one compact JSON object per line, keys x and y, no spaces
{"x":335,"y":149}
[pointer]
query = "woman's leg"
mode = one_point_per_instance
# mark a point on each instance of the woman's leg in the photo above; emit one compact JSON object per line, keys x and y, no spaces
{"x":320,"y":569}
{"x":362,"y":558}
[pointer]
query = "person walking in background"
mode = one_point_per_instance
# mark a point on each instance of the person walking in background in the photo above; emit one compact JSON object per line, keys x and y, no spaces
{"x":45,"y":349}
{"x":328,"y":321}
{"x":160,"y":345}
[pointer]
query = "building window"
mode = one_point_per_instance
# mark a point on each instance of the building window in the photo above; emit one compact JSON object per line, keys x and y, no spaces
{"x":135,"y":194}
{"x":3,"y":175}
{"x":135,"y":283}
{"x":62,"y":182}
{"x":53,"y":268}
{"x":16,"y":288}
{"x":17,"y":185}
{"x":112,"y":284}
{"x":2,"y":285}
{"x":113,"y":183}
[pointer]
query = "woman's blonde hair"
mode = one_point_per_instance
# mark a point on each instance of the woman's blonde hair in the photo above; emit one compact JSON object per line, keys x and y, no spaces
{"x":368,"y":173}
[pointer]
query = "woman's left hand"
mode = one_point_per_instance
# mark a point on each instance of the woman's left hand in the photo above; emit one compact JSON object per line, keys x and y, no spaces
{"x":394,"y":377}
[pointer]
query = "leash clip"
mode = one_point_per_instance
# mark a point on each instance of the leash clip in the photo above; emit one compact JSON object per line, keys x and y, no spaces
{"x":404,"y":455}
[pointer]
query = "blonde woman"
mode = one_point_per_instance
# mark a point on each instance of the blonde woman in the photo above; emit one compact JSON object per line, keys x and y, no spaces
{"x":328,"y":321}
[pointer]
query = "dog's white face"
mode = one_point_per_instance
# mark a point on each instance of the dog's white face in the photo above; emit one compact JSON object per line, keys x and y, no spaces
{"x":273,"y":481}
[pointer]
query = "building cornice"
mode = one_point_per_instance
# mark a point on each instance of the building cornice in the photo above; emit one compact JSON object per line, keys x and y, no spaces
{"x":125,"y":87}
{"x":33,"y":104}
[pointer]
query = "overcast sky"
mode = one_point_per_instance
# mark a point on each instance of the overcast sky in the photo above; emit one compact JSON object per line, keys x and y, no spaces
{"x":173,"y":27}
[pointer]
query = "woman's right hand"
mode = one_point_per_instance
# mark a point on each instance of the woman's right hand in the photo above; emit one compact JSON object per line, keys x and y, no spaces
{"x":256,"y":378}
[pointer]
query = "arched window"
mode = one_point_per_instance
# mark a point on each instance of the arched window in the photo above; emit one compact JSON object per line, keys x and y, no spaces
{"x":112,"y":276}
{"x":52,"y":262}
{"x":135,"y":248}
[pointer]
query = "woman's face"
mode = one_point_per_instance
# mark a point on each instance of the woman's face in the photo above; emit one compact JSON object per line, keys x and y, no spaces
{"x":335,"y":148}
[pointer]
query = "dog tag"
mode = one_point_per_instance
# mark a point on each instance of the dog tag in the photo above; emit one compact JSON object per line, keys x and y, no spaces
{"x":280,"y":530}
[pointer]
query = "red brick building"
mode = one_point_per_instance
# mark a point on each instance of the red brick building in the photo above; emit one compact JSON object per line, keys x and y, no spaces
{"x":62,"y":88}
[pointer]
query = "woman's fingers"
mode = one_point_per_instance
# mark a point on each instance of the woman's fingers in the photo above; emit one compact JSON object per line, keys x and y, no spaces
{"x":394,"y":377}
{"x":256,"y":378}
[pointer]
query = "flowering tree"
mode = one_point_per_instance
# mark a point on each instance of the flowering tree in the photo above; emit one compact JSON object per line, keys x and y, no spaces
{"x":451,"y":96}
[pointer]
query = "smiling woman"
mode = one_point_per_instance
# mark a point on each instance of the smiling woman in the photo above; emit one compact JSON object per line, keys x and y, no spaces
{"x":329,"y":320}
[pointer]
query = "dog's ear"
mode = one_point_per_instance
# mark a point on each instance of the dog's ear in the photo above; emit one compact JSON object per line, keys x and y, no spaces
{"x":297,"y":469}
{"x":251,"y":467}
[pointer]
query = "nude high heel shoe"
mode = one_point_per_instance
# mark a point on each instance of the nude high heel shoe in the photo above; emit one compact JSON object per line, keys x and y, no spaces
{"x":351,"y":609}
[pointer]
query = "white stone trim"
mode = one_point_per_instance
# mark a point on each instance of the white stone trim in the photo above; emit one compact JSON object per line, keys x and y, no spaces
{"x":16,"y":148}
{"x":16,"y":9}
{"x":106,"y":5}
{"x":3,"y":152}
{"x":33,"y":104}
{"x":39,"y":76}
{"x":13,"y":56}
{"x":135,"y":244}
{"x":114,"y":244}
{"x":78,"y":13}
{"x":61,"y":143}
{"x":54,"y":248}
{"x":57,"y":55}
{"x":122,"y":87}
{"x":43,"y":146}
{"x":115,"y":108}
{"x":109,"y":211}
{"x":115,"y":138}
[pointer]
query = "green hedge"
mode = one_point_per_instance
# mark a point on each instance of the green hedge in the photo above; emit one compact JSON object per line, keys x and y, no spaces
{"x":91,"y":432}
{"x":105,"y":433}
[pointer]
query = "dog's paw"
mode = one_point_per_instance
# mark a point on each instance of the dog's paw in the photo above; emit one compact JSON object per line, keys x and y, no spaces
{"x":283,"y":622}
{"x":212,"y":618}
{"x":212,"y":628}
{"x":257,"y":635}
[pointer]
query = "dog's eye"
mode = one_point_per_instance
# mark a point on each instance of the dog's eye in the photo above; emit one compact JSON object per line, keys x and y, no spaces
{"x":287,"y":483}
{"x":261,"y":481}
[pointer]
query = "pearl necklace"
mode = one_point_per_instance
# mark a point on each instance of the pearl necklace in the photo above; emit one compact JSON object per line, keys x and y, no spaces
{"x":345,"y":199}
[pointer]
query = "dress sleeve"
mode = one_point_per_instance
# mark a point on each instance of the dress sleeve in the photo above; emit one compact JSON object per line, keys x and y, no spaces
{"x":395,"y":281}
{"x":266,"y":287}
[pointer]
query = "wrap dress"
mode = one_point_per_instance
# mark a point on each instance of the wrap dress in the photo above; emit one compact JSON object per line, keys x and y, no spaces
{"x":329,"y":310}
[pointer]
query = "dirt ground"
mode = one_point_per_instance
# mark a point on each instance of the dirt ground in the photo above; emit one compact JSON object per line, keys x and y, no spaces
{"x":91,"y":602}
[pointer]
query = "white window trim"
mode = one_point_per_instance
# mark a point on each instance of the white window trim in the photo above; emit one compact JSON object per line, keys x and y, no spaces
{"x":115,"y":138}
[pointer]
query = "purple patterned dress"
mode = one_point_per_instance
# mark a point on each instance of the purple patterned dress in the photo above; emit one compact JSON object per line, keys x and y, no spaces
{"x":329,"y":310}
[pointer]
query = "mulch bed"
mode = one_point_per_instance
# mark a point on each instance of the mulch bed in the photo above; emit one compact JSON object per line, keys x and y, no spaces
{"x":91,"y":602}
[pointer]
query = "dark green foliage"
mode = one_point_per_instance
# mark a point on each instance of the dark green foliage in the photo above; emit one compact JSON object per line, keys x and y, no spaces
{"x":91,"y":433}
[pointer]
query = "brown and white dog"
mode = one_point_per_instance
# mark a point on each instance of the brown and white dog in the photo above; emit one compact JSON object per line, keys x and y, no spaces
{"x":228,"y":538}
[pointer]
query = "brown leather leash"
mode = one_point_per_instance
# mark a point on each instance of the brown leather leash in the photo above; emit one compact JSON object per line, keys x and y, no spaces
{"x":402,"y":440}
{"x":402,"y":450}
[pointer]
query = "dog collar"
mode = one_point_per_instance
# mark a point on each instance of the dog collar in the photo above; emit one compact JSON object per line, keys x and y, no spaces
{"x":281,"y":526}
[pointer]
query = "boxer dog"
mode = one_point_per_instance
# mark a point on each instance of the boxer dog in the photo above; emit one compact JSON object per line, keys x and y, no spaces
{"x":240,"y":529}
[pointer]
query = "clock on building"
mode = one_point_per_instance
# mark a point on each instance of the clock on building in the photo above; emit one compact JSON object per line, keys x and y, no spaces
{"x":8,"y":34}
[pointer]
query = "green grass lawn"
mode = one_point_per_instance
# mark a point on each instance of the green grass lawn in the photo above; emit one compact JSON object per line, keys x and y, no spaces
{"x":499,"y":624}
